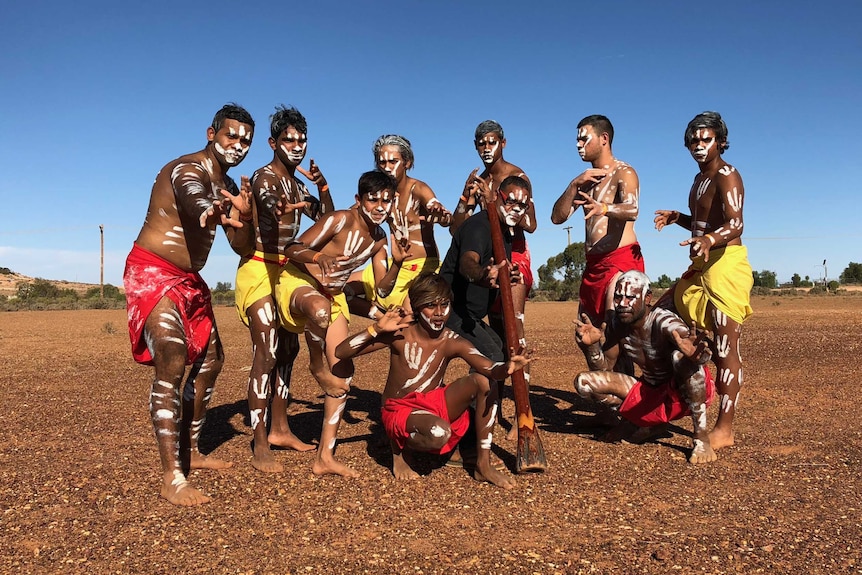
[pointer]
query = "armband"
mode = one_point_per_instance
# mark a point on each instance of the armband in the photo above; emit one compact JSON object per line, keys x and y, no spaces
{"x":324,"y":188}
{"x":316,"y":257}
{"x":371,"y":331}
{"x":605,"y":208}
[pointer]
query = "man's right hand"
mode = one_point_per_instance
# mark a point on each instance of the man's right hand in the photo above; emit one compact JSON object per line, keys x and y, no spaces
{"x":586,"y":334}
{"x":665,"y":218}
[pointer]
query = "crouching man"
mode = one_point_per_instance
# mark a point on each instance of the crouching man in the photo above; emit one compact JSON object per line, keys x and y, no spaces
{"x":674,"y":382}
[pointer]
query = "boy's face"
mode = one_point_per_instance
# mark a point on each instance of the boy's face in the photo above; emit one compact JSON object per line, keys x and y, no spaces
{"x":515,"y":201}
{"x":433,"y":315}
{"x":703,"y":146}
{"x":232,"y":142}
{"x":490,"y":148}
{"x":290,"y":146}
{"x":390,"y":160}
{"x":376,"y":205}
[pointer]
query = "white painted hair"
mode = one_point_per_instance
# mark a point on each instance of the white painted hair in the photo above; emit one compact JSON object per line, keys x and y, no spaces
{"x":637,"y":278}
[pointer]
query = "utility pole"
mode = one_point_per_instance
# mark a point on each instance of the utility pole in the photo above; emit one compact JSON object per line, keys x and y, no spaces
{"x":102,"y":263}
{"x":568,"y":235}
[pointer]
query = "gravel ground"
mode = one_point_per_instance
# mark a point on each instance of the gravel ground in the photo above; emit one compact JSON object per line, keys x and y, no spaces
{"x":79,"y":468}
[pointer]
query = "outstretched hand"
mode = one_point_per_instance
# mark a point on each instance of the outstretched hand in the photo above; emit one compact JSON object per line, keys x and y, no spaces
{"x":586,"y":334}
{"x":520,"y":359}
{"x":394,"y":319}
{"x":480,"y":189}
{"x":330,"y":265}
{"x":313,"y":174}
{"x":695,"y":345}
{"x":436,"y":213}
{"x":221,"y":209}
{"x":700,"y":246}
{"x":665,"y":218}
{"x":592,"y":207}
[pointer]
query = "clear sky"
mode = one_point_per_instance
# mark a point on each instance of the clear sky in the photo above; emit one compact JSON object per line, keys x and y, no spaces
{"x":98,"y":96}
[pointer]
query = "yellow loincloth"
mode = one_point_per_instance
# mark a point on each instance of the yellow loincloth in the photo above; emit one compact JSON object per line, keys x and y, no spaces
{"x":725,"y":281}
{"x":256,"y":277}
{"x":292,"y":279}
{"x":409,"y":271}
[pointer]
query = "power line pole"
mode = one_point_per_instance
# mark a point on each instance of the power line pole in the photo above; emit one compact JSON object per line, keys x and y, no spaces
{"x":568,"y":235}
{"x":102,"y":263}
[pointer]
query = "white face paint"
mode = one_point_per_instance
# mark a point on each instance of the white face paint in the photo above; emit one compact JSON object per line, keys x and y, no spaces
{"x":488,"y":147}
{"x":702,"y":143}
{"x":434,"y":315}
{"x":293,"y":144}
{"x":514,"y":205}
{"x":629,"y":296}
{"x":235,"y":145}
{"x":390,"y":161}
{"x":584,"y":138}
{"x":376,"y":206}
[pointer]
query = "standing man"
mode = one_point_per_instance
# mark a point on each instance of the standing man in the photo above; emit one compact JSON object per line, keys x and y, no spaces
{"x":609,"y":193}
{"x":171,"y":322}
{"x":411,"y":223}
{"x":673,"y":381}
{"x":490,"y":141}
{"x":715,"y":291}
{"x":280,"y":199}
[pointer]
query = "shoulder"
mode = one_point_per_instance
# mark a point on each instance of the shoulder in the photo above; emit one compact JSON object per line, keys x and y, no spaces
{"x":421,"y":190}
{"x":624,"y":169}
{"x":665,"y":320}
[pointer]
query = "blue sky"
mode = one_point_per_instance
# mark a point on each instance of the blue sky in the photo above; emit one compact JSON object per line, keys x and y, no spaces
{"x":100,"y":95}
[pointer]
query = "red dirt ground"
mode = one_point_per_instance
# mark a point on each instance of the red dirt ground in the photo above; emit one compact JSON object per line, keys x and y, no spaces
{"x":79,"y":468}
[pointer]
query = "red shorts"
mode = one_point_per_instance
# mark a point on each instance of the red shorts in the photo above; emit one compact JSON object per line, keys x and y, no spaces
{"x":520,"y":256}
{"x":396,"y":410}
{"x":646,"y":405}
{"x":147,"y":279}
{"x":600,"y":270}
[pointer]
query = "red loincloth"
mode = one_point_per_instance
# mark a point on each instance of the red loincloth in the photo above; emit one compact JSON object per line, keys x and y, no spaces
{"x":147,"y":279}
{"x":396,"y":410}
{"x":646,"y":405}
{"x":600,"y":270}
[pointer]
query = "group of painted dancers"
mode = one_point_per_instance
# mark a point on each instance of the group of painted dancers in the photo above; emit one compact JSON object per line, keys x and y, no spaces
{"x":426,"y":310}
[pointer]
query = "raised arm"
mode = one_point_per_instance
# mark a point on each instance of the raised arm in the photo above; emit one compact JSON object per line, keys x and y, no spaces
{"x":431,"y":209}
{"x":600,"y":350}
{"x":624,"y":205}
{"x":324,"y":205}
{"x":376,"y":336}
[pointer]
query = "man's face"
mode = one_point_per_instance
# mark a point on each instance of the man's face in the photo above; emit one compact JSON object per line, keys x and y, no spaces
{"x":703,"y":146}
{"x":389,"y":160}
{"x":589,"y":145}
{"x":232,"y":142}
{"x":630,"y":299}
{"x":376,"y":205}
{"x":490,"y":148}
{"x":434,"y":314}
{"x":515,"y":201}
{"x":290,"y":146}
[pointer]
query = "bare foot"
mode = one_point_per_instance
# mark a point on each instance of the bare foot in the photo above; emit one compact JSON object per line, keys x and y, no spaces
{"x":644,"y":434}
{"x":401,"y":468}
{"x":289,"y":441}
{"x":494,"y":476}
{"x":702,"y":453}
{"x":201,"y":461}
{"x":719,"y":438}
{"x":333,"y":467}
{"x":177,"y":490}
{"x":264,"y":460}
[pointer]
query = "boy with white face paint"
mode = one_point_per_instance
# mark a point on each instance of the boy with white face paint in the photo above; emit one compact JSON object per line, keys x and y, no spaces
{"x":609,"y":193}
{"x":420,"y":413}
{"x":280,"y":200}
{"x":411,"y":223}
{"x":674,"y":382}
{"x":490,"y":141}
{"x":714,"y":293}
{"x":311,"y":300}
{"x":171,"y":323}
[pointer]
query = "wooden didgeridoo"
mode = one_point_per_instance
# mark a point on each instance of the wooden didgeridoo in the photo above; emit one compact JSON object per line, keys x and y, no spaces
{"x":531,"y":454}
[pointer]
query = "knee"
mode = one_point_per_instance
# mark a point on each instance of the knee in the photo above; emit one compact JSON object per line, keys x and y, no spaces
{"x":583,"y":385}
{"x":320,"y":315}
{"x":439,"y":435}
